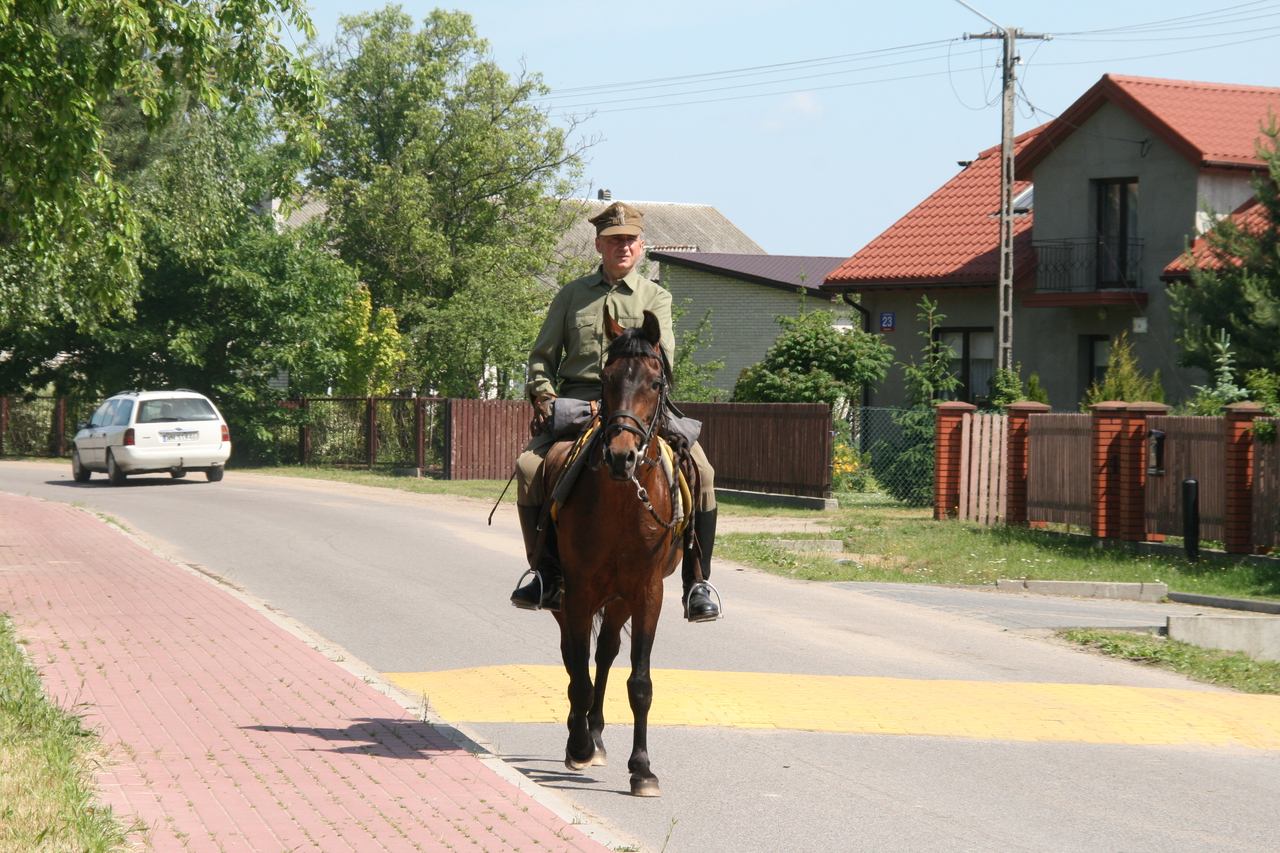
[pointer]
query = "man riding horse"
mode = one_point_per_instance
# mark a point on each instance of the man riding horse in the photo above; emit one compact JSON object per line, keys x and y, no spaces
{"x":566,"y":362}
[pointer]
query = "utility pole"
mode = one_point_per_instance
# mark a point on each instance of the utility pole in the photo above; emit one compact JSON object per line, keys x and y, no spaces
{"x":1010,"y":36}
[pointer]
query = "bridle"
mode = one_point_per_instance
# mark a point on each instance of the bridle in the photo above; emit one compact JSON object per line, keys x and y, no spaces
{"x":625,"y":420}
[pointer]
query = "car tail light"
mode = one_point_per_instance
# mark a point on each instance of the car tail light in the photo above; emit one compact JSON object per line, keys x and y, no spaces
{"x":226,"y":433}
{"x":128,"y":437}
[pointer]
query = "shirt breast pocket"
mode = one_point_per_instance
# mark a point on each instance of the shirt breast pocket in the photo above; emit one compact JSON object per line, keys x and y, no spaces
{"x":586,"y":335}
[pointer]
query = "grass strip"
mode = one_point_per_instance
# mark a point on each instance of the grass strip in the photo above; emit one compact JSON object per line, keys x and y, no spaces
{"x":47,"y":799}
{"x":483,"y":489}
{"x":1213,"y":666}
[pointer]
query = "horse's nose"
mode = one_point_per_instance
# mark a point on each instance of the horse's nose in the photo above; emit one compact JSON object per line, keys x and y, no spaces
{"x":622,"y":464}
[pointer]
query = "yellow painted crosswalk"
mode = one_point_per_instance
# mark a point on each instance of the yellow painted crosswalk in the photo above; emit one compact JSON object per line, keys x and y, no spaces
{"x":1013,"y":711}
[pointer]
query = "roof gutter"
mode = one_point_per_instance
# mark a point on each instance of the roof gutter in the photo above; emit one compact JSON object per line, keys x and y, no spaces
{"x":866,"y":315}
{"x":866,"y":327}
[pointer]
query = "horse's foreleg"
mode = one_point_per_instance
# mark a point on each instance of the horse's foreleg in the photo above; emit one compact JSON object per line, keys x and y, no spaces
{"x":575,"y":649}
{"x":644,"y":624}
{"x":608,"y":641}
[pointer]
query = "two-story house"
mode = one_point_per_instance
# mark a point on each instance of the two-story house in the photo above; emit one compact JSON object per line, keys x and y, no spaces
{"x":1123,"y":181}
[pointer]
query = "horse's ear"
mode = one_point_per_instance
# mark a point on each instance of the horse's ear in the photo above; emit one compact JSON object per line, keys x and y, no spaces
{"x":652,"y":331}
{"x":611,"y":327}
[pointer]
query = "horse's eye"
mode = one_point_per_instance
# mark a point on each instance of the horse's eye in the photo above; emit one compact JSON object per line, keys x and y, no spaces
{"x":657,"y":383}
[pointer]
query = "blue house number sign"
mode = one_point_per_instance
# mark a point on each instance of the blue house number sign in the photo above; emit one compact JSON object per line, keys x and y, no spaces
{"x":886,"y":321}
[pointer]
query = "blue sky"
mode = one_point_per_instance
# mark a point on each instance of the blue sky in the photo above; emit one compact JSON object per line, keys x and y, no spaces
{"x":829,"y":151}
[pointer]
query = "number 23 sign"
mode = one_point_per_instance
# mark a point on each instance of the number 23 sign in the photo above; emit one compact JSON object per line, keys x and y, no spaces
{"x":886,"y":321}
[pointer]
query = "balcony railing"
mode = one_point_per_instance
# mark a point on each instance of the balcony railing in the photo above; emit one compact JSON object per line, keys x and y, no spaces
{"x":1088,"y":264}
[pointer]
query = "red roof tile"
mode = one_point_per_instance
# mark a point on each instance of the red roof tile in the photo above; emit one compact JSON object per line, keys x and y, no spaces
{"x":1211,"y":124}
{"x":950,"y":238}
{"x":1250,"y":216}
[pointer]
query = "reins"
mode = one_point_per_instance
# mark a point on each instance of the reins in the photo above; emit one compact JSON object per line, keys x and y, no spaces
{"x":616,"y":422}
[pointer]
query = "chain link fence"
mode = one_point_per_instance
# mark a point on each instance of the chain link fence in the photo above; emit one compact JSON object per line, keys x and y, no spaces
{"x":885,"y":456}
{"x":339,"y":432}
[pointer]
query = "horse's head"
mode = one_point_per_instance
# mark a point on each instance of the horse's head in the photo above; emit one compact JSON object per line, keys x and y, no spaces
{"x":636,"y":376}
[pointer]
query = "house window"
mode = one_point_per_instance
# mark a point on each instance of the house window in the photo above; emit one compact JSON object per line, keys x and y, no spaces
{"x":973,"y":360}
{"x":1117,"y":232}
{"x":1095,"y":352}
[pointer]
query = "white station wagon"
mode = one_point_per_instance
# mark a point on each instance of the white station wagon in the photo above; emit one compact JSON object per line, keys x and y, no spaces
{"x":137,"y":432}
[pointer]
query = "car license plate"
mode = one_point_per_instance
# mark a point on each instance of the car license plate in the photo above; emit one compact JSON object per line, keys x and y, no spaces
{"x":179,"y":436}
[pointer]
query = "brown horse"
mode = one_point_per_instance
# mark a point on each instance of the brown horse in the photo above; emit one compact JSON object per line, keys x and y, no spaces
{"x":618,"y":540}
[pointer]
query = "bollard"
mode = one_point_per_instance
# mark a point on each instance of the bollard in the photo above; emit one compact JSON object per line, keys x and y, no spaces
{"x":1191,"y":518}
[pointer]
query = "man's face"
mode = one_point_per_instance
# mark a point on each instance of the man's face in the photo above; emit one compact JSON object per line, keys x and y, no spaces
{"x":619,"y":253}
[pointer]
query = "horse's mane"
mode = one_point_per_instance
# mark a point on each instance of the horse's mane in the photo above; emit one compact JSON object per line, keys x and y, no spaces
{"x":633,"y":344}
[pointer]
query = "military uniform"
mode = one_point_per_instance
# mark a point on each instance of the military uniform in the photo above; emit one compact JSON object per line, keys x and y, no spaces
{"x":567,"y":360}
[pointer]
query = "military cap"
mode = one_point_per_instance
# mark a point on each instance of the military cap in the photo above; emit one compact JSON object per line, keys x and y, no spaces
{"x":618,"y":218}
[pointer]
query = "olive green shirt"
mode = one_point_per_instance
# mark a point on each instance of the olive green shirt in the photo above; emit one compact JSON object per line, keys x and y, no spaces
{"x":568,"y":357}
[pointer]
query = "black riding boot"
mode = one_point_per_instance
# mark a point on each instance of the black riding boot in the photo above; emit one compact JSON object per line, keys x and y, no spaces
{"x":698,"y":605}
{"x":546,"y":588}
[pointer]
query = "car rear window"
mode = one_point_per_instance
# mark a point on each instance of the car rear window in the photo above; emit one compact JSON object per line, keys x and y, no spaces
{"x":176,"y":409}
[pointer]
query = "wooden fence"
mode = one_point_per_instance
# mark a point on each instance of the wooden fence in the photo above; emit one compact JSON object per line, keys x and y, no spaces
{"x":484,"y":438}
{"x":1266,"y":489}
{"x":983,"y":483}
{"x":779,"y":448}
{"x":1192,"y":447}
{"x":1058,"y":482}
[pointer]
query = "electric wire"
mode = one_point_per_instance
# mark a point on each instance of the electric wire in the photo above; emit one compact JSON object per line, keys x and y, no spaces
{"x":754,"y":69}
{"x":1152,"y":26}
{"x":777,"y":81}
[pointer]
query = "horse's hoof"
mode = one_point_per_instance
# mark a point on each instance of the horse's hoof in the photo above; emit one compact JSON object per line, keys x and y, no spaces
{"x":644,"y":787}
{"x":599,"y":759}
{"x":579,"y":765}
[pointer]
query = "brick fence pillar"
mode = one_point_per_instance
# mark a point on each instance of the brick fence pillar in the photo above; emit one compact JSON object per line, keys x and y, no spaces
{"x":1104,"y":469}
{"x":1016,"y":458}
{"x":946,"y":464}
{"x":1239,"y":476}
{"x":1133,"y":469}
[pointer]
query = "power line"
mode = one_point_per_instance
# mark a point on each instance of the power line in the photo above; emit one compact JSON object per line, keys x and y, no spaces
{"x":1183,"y":18}
{"x":846,"y":57}
{"x":784,"y":92}
{"x":746,"y":85}
{"x":1162,"y":53}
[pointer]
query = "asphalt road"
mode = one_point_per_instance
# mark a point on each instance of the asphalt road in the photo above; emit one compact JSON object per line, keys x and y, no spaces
{"x":414,"y":583}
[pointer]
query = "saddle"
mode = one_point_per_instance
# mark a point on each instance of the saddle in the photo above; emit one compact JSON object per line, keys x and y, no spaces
{"x":566,"y":459}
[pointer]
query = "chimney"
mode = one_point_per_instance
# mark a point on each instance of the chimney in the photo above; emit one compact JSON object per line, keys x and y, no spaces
{"x":604,"y":195}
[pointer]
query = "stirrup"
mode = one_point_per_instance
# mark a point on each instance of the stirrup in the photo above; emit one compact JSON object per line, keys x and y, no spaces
{"x":553,"y":605}
{"x":704,"y":587}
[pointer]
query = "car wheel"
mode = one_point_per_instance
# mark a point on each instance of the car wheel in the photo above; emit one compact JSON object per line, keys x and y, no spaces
{"x":214,"y":474}
{"x":177,"y":473}
{"x":79,"y":473}
{"x":114,"y":473}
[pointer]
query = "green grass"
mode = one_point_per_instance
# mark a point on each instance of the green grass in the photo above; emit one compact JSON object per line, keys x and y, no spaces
{"x":47,"y":800}
{"x":484,"y":489}
{"x":886,"y":543}
{"x":1213,"y":666}
{"x":889,"y":542}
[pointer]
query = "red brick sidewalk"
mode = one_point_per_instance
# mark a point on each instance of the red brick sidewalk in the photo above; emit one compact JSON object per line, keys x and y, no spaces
{"x":227,"y":733}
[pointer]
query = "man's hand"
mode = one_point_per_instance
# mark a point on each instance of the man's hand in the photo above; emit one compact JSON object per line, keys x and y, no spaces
{"x":541,"y":414}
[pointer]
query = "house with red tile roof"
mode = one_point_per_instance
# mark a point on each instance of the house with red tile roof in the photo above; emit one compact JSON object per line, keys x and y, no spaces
{"x":745,"y":293}
{"x":1120,"y":184}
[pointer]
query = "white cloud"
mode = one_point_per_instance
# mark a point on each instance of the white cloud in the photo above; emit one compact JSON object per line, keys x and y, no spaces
{"x":792,"y":110}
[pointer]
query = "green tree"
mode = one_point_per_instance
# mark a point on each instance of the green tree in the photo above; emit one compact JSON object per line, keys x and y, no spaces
{"x":226,"y":301}
{"x":903,"y":463}
{"x":69,"y":235}
{"x":692,"y":379}
{"x":1235,"y":286}
{"x":814,"y":362}
{"x":1210,"y":399}
{"x":1123,"y":381}
{"x":443,"y":178}
{"x":371,"y":348}
{"x":1007,"y":387}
